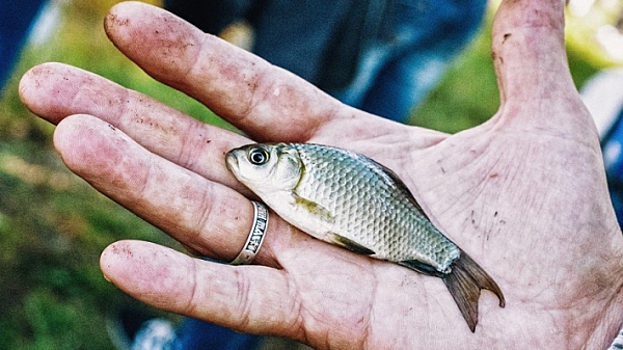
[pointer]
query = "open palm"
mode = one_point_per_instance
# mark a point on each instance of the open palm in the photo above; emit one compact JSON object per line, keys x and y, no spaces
{"x":524,"y":194}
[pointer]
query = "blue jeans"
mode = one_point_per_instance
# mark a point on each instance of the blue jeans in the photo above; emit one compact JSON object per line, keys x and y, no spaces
{"x":382,"y":56}
{"x":612,"y":148}
{"x":199,"y":335}
{"x":393,"y":76}
{"x":15,"y":20}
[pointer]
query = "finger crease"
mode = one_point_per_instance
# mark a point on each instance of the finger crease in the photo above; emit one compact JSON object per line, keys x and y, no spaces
{"x":188,"y":148}
{"x":193,"y":300}
{"x":242,"y":296}
{"x":204,"y":213}
{"x":255,"y":84}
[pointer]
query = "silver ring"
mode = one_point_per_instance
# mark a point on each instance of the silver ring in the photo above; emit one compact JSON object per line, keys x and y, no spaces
{"x":256,"y":235}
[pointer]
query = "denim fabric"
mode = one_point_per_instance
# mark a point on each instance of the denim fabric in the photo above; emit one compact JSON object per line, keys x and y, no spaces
{"x":296,"y":34}
{"x":394,"y":75}
{"x":15,"y":19}
{"x":612,"y":148}
{"x":603,"y":96}
{"x":382,"y":56}
{"x":199,"y":335}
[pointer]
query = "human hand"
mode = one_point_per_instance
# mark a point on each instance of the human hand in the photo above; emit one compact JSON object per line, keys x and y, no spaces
{"x":524,"y":194}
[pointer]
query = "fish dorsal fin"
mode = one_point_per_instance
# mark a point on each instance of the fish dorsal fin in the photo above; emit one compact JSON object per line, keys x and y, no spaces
{"x":314,"y":208}
{"x":349,"y":244}
{"x":401,"y":186}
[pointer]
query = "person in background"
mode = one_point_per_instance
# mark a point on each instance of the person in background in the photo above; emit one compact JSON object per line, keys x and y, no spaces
{"x":381,"y":56}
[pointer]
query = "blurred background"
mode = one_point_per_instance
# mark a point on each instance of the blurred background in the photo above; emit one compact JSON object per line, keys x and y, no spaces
{"x":53,"y":226}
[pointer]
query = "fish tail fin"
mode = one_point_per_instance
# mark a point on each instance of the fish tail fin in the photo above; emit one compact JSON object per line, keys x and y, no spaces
{"x":465,"y":282}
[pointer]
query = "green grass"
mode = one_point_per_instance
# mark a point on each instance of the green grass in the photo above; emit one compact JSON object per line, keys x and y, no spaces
{"x":53,"y":226}
{"x":467,"y":95}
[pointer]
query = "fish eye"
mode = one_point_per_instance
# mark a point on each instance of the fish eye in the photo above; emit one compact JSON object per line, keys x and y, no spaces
{"x":258,"y":156}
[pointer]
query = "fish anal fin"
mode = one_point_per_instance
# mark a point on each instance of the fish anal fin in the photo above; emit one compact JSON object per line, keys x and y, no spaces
{"x":421,"y":267}
{"x":314,"y":208}
{"x":465,"y":282}
{"x":349,"y":244}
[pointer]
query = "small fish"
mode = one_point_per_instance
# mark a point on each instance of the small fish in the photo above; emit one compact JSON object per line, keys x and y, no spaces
{"x":617,"y":343}
{"x":351,"y":201}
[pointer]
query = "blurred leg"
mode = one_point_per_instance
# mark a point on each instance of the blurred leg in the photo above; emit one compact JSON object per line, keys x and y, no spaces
{"x":403,"y":84}
{"x":15,"y":19}
{"x":396,"y":72}
{"x":199,"y":335}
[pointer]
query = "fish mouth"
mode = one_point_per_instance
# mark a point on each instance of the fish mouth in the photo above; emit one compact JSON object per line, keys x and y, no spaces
{"x":231,"y":162}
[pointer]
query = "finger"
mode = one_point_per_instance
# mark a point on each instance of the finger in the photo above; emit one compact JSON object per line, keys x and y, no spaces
{"x":528,"y":48}
{"x":212,"y":219}
{"x":266,"y":102}
{"x":249,"y":299}
{"x":54,"y":91}
{"x":537,"y":91}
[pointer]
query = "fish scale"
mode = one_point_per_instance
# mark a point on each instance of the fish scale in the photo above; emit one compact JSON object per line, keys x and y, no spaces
{"x":354,"y":202}
{"x":363,"y":202}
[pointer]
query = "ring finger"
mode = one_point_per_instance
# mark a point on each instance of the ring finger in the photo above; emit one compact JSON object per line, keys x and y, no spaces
{"x":207,"y":217}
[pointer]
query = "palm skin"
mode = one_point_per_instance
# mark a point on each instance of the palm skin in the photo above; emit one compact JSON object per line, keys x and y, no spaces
{"x":524,"y":194}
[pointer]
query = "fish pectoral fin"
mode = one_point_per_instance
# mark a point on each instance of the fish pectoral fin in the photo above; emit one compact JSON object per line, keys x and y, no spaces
{"x":314,"y":208}
{"x":349,"y":244}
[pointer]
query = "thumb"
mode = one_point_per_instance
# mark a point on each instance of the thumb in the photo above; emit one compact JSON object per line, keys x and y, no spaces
{"x":529,"y":49}
{"x":536,"y":88}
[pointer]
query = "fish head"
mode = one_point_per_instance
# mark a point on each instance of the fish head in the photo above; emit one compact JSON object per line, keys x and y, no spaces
{"x":266,"y":168}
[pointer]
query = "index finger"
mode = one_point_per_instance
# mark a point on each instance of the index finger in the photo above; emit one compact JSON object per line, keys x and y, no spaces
{"x":264,"y":101}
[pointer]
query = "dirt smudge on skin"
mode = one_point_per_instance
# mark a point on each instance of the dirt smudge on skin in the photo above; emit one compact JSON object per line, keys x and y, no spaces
{"x":122,"y":248}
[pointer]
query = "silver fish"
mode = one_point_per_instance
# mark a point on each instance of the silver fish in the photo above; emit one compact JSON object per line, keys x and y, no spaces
{"x":354,"y":202}
{"x":617,"y":343}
